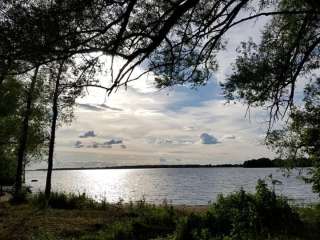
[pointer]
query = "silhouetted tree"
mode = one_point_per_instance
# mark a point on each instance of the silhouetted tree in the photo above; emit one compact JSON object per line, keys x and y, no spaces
{"x":66,"y":88}
{"x":175,"y":40}
{"x":258,"y":163}
{"x":300,"y":139}
{"x":13,"y":94}
{"x":266,"y":74}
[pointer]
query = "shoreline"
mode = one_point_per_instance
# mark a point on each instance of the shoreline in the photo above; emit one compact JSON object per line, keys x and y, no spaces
{"x":143,"y":167}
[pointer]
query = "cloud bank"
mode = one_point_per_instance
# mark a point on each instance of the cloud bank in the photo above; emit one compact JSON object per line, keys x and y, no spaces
{"x":169,"y":124}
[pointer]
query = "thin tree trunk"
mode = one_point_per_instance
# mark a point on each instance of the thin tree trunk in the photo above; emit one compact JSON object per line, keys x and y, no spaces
{"x":5,"y":71}
{"x":53,"y":133}
{"x":24,"y":134}
{"x":24,"y":171}
{"x":2,"y":77}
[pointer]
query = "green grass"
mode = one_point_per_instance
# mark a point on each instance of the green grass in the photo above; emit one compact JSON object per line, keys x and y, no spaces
{"x":237,"y":216}
{"x":60,"y":200}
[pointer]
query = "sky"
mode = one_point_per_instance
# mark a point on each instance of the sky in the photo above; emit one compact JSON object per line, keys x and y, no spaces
{"x":142,"y":125}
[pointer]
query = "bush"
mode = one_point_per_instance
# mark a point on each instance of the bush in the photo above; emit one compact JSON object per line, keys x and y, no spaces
{"x":238,"y":216}
{"x":242,"y":216}
{"x":140,"y":221}
{"x":22,"y":196}
{"x":273,"y":213}
{"x":149,"y":221}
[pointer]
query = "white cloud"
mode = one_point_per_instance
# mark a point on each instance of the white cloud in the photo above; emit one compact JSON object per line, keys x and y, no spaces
{"x":189,"y":128}
{"x":105,"y":106}
{"x":89,"y":107}
{"x":206,"y":138}
{"x":166,"y":124}
{"x":172,"y":140}
{"x":151,"y":136}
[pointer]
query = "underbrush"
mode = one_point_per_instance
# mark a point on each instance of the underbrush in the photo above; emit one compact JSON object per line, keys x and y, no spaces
{"x":60,"y":200}
{"x":238,"y":216}
{"x":140,"y":221}
{"x":243,"y":216}
{"x":20,"y":197}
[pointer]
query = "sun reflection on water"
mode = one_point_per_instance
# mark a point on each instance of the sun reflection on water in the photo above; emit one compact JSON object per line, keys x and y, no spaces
{"x":179,"y":186}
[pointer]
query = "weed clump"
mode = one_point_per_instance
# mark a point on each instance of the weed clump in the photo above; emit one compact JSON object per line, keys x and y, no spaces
{"x":60,"y":200}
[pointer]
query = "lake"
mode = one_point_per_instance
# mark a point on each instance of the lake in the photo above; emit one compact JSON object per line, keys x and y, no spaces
{"x":191,"y":186}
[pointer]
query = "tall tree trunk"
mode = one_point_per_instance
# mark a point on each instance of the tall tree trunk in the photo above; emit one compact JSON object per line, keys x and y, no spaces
{"x":24,"y":171}
{"x":2,"y":76}
{"x":5,"y":71}
{"x":22,"y":145}
{"x":53,"y":132}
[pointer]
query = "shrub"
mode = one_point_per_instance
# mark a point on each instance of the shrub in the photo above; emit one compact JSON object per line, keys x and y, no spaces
{"x":192,"y":227}
{"x":238,"y":216}
{"x":43,"y":235}
{"x":22,"y":196}
{"x":273,"y":213}
{"x":151,"y":221}
{"x":140,"y":221}
{"x":242,"y":215}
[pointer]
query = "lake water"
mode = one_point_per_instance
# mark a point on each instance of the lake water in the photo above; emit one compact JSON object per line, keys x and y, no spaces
{"x":192,"y":186}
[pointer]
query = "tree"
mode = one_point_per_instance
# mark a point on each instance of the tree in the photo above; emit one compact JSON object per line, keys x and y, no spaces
{"x":67,"y":87}
{"x":22,"y":142}
{"x":41,"y":25}
{"x":176,"y":40}
{"x":56,"y":93}
{"x":266,"y":74}
{"x":301,"y":137}
{"x":9,"y":103}
{"x":13,"y":93}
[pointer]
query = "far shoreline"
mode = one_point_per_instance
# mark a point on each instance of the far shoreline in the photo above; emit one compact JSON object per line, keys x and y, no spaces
{"x":253,"y":163}
{"x":144,"y":167}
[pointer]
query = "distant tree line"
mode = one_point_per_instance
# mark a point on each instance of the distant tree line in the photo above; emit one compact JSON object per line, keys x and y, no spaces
{"x":277,"y":162}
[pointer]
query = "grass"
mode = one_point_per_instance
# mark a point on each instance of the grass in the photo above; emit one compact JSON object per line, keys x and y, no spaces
{"x":234,"y":217}
{"x":60,"y":200}
{"x":112,"y":221}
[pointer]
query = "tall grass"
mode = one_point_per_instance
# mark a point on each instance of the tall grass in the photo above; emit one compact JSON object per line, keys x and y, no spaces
{"x":238,"y":216}
{"x":61,"y":200}
{"x":243,"y":216}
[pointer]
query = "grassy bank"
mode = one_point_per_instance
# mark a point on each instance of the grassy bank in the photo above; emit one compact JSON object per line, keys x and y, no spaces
{"x":262,"y":215}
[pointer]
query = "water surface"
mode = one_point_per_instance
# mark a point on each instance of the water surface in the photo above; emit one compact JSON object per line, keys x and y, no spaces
{"x":192,"y":186}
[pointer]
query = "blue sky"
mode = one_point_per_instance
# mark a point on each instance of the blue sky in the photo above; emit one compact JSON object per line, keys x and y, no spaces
{"x":143,"y":125}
